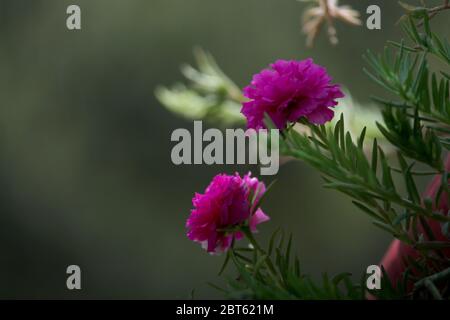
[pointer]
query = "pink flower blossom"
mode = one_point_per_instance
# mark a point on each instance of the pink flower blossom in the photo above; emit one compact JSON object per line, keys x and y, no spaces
{"x":394,"y":258}
{"x":226,"y":204}
{"x":288,"y":91}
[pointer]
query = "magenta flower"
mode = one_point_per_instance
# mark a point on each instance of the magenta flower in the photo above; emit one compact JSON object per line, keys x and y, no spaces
{"x":226,"y":204}
{"x":288,"y":91}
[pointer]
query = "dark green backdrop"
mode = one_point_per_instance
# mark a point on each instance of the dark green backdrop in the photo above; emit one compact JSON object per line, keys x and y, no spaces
{"x":85,"y":169}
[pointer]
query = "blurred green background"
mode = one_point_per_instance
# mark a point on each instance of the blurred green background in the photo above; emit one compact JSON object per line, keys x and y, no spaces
{"x":85,"y":170}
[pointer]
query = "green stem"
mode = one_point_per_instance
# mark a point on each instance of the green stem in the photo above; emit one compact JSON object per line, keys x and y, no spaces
{"x":257,"y":247}
{"x":444,"y":274}
{"x":428,"y":283}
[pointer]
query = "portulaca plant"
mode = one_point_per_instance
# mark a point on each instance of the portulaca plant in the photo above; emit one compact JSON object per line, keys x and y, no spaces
{"x":298,"y":98}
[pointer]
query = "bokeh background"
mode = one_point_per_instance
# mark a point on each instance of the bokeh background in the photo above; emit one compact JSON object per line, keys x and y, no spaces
{"x":85,"y":170}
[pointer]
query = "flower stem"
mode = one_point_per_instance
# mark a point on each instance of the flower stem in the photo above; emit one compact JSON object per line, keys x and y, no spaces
{"x":257,"y":247}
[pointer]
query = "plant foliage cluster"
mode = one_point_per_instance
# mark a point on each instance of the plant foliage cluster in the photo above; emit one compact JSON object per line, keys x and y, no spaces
{"x":416,"y":121}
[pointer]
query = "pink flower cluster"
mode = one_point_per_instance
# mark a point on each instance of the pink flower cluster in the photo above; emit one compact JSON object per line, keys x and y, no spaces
{"x":225,"y":205}
{"x":288,"y":91}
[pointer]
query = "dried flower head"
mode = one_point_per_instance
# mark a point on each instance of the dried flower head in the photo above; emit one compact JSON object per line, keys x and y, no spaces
{"x":326,"y":11}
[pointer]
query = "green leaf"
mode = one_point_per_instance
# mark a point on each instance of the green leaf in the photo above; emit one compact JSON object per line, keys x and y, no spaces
{"x":225,"y":263}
